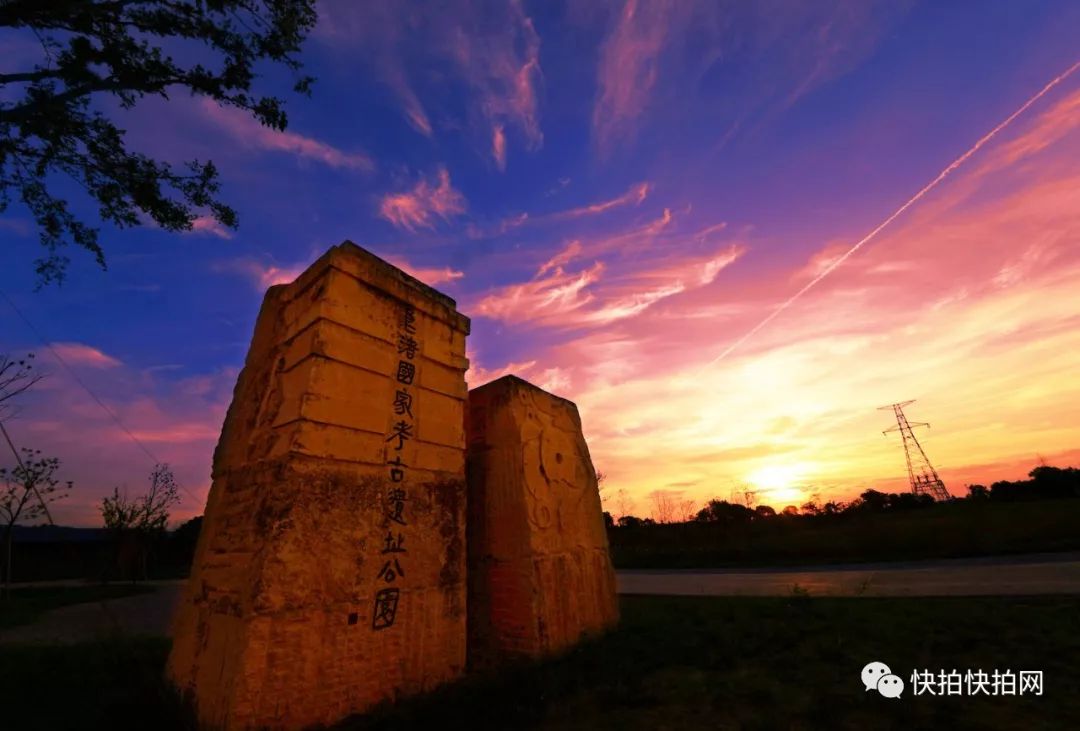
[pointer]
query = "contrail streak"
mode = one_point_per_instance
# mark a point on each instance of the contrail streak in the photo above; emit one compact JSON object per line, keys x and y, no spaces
{"x":899,"y":211}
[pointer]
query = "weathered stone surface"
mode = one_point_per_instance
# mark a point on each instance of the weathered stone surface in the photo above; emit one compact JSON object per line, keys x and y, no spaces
{"x":540,"y":576}
{"x":306,"y":544}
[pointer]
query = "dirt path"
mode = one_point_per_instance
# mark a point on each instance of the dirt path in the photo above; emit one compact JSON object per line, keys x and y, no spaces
{"x":151,"y":614}
{"x":142,"y":614}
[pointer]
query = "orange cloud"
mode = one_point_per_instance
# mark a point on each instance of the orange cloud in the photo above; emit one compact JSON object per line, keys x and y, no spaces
{"x":923,"y":313}
{"x":246,"y":130}
{"x":418,"y":207}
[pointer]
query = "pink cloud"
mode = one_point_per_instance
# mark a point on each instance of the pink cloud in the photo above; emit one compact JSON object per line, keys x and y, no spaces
{"x":634,"y":196}
{"x":417,"y":208}
{"x":503,"y":68}
{"x":428,"y":275}
{"x":628,"y":69}
{"x":210,"y":225}
{"x":918,"y":314}
{"x":493,"y":49}
{"x":477,"y":375}
{"x":498,"y":146}
{"x":78,"y":354}
{"x":177,"y":421}
{"x":565,"y":256}
{"x":559,"y":299}
{"x":545,"y":299}
{"x":246,"y":130}
{"x":262,"y":275}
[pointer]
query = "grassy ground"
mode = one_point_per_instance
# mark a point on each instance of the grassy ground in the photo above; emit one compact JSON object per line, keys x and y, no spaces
{"x":674,"y":663}
{"x":27,"y":604}
{"x":940,"y":531}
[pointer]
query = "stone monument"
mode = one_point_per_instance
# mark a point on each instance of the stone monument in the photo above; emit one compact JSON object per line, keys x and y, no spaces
{"x":540,"y":576}
{"x":330,"y":572}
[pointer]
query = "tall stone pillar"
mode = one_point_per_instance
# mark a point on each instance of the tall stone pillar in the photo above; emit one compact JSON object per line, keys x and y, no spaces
{"x":540,"y":576}
{"x":330,"y":572}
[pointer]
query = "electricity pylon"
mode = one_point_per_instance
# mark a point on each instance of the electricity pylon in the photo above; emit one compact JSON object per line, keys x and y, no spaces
{"x":924,"y":478}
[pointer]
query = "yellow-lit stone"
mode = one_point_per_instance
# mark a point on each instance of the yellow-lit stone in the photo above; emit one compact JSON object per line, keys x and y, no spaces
{"x":280,"y":627}
{"x":540,"y":576}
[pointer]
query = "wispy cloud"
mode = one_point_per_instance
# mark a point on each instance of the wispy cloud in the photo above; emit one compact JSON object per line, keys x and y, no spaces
{"x":565,"y":256}
{"x":79,"y":354}
{"x":210,"y":225}
{"x":628,"y":70}
{"x":560,"y":299}
{"x":428,"y":275}
{"x":498,"y":146}
{"x":419,"y":207}
{"x":246,"y":130}
{"x":261,"y":274}
{"x":489,"y":51}
{"x":634,"y":196}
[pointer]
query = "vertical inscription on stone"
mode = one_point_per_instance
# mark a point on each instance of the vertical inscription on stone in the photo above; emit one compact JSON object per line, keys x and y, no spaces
{"x":330,"y":571}
{"x":401,"y":431}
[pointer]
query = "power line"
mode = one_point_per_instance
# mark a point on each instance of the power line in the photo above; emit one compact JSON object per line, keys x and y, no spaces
{"x":896,"y":214}
{"x":104,"y":407}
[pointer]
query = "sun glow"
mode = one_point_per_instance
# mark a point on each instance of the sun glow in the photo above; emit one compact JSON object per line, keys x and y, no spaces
{"x":778,"y":483}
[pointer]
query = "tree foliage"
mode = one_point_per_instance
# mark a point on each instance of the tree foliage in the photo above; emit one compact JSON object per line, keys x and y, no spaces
{"x":147,"y":513}
{"x":27,"y":490}
{"x":118,"y":48}
{"x":17,"y":375}
{"x":137,"y":524}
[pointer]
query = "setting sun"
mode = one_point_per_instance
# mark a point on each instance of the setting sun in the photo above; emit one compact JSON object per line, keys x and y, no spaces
{"x":778,"y":483}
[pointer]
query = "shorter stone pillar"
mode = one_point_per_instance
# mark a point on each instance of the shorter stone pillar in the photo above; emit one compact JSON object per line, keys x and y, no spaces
{"x":540,"y":575}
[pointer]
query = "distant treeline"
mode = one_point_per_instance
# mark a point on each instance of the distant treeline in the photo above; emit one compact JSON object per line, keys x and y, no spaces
{"x":1041,"y":513}
{"x":1044,"y":483}
{"x":47,"y":553}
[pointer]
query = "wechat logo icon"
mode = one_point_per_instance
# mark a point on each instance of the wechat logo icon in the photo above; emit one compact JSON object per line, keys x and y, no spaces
{"x":877,"y":676}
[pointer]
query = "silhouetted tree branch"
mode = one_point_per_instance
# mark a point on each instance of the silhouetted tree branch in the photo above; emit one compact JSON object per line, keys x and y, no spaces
{"x":117,"y":48}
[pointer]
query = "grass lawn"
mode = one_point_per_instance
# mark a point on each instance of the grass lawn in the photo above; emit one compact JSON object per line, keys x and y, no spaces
{"x":27,"y":604}
{"x":674,"y":663}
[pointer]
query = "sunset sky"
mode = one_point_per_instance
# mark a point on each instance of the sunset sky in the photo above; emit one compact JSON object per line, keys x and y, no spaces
{"x":617,"y":193}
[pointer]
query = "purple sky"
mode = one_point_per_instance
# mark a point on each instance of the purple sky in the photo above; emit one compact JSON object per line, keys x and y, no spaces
{"x":616,"y":193}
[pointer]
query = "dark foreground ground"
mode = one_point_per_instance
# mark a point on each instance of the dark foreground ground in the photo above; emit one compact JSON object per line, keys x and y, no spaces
{"x":674,"y":663}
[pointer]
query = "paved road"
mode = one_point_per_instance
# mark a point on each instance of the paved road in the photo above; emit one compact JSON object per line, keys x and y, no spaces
{"x":1033,"y":574}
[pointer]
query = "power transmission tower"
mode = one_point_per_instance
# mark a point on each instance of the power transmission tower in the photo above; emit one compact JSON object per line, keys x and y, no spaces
{"x":924,"y":478}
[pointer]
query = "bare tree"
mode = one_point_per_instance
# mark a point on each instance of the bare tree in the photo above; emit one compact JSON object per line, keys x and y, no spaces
{"x":16,"y":376}
{"x":624,"y":504}
{"x":135,"y":523}
{"x":686,"y":511}
{"x":601,"y":485}
{"x":28,"y":489}
{"x":665,"y":504}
